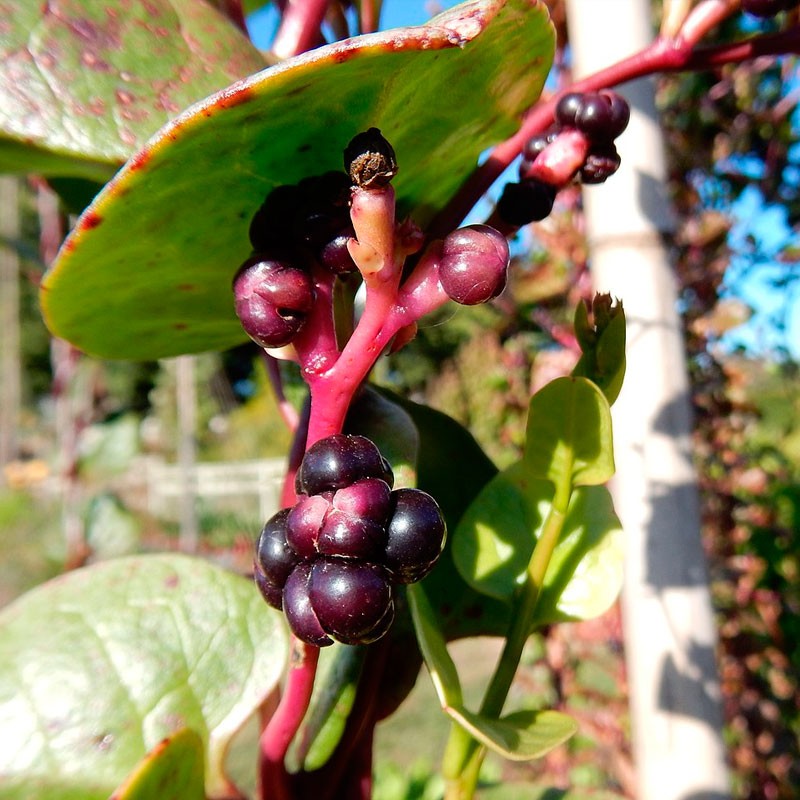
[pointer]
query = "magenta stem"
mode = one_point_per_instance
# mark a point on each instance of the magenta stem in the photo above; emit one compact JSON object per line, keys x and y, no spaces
{"x":662,"y":55}
{"x":299,"y":30}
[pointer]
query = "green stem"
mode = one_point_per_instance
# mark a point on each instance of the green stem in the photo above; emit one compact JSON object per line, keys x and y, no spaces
{"x":463,"y":755}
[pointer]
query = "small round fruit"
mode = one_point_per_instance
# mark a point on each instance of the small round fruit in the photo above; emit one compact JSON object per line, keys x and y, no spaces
{"x":273,"y":297}
{"x":338,"y":461}
{"x":474,"y":264}
{"x":594,"y":116}
{"x":370,"y":160}
{"x":601,"y":163}
{"x":525,"y":202}
{"x":350,"y":598}
{"x":274,"y":217}
{"x":297,"y":606}
{"x":369,"y":498}
{"x":272,"y":593}
{"x":275,"y":558}
{"x":349,"y":536}
{"x":415,"y":536}
{"x":567,"y":108}
{"x":620,"y":113}
{"x":335,"y":256}
{"x":305,"y":521}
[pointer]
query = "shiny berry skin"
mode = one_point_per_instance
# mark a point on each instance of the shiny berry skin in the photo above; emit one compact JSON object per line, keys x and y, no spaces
{"x":525,"y":202}
{"x":275,"y":558}
{"x":620,"y":114}
{"x":415,"y":536}
{"x":297,"y":606}
{"x":271,"y":592}
{"x":370,"y":498}
{"x":350,"y":536}
{"x":338,"y":461}
{"x":273,"y":297}
{"x":350,"y":598}
{"x":567,"y":108}
{"x":474,"y":264}
{"x":335,"y":256}
{"x":305,"y":521}
{"x":594,"y":116}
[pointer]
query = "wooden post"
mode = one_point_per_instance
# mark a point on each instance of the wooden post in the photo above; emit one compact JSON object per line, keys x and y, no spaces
{"x":670,"y":633}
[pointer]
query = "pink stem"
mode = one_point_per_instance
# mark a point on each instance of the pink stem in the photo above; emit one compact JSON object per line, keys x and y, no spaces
{"x":300,"y":27}
{"x":660,"y":56}
{"x":282,"y":726}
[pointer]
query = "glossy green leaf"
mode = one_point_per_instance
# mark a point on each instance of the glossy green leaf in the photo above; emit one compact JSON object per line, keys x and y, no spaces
{"x":602,"y":342}
{"x":452,"y":468}
{"x":147,"y":271}
{"x":519,"y":736}
{"x":100,"y":665}
{"x":495,"y":539}
{"x":83,"y":84}
{"x":441,"y":666}
{"x":568,"y":438}
{"x":172,"y":770}
{"x":389,"y":425}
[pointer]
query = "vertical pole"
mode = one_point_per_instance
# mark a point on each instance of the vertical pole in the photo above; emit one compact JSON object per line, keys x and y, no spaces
{"x":670,"y":633}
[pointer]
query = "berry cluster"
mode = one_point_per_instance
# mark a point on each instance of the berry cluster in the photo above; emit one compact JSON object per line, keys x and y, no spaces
{"x":296,"y":226}
{"x":331,"y":561}
{"x":767,"y":8}
{"x":600,"y":117}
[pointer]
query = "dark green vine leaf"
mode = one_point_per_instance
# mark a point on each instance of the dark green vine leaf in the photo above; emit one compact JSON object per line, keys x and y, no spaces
{"x":568,"y":437}
{"x":172,"y":770}
{"x":166,"y":236}
{"x":85,"y":83}
{"x":99,"y":665}
{"x":495,"y":539}
{"x":453,"y":468}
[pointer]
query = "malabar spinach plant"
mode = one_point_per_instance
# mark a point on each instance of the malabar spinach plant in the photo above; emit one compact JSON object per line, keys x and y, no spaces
{"x":316,"y":205}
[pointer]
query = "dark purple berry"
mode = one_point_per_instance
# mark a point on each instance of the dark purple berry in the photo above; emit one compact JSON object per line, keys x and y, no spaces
{"x":527,"y":201}
{"x":415,"y":536}
{"x":474,"y":264}
{"x":594,"y":116}
{"x":335,"y":256}
{"x":273,"y":297}
{"x":601,"y":163}
{"x":536,"y":144}
{"x":275,"y":558}
{"x":271,"y":592}
{"x":349,"y":536}
{"x":323,"y":208}
{"x":370,"y":160}
{"x":274,"y":218}
{"x":369,"y":498}
{"x":305,"y":521}
{"x":350,"y":598}
{"x":620,"y":114}
{"x":338,"y":461}
{"x":567,"y":108}
{"x":297,"y":606}
{"x":767,"y":8}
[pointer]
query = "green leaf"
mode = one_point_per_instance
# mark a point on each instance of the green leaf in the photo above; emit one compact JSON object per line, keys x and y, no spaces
{"x":519,"y":736}
{"x":166,"y":236}
{"x":335,"y":687}
{"x":390,"y":426}
{"x":101,"y":664}
{"x":111,"y":529}
{"x":84,"y":84}
{"x":172,"y":770}
{"x":452,"y":468}
{"x":603,"y":344}
{"x":441,"y":666}
{"x":568,"y":438}
{"x":495,"y":539}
